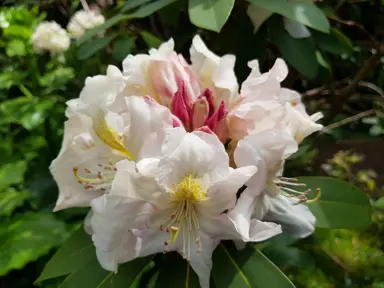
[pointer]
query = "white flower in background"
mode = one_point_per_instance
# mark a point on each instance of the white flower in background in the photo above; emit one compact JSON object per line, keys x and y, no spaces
{"x":82,"y":21}
{"x":49,"y":36}
{"x":275,"y":198}
{"x":174,"y":203}
{"x":105,"y":127}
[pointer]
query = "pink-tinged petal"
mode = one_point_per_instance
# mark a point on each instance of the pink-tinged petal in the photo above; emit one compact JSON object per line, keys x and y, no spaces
{"x":222,"y":130}
{"x":200,"y":112}
{"x":219,"y":115}
{"x":180,"y":106}
{"x":205,"y":129}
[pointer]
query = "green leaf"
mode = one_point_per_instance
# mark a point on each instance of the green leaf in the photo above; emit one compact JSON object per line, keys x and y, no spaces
{"x":341,"y":204}
{"x":9,"y":78}
{"x":77,"y":257}
{"x":16,"y":47}
{"x":12,"y":174}
{"x":302,"y":11}
{"x":245,"y":268}
{"x":289,"y":256}
{"x":210,"y":14}
{"x":76,"y":252}
{"x":151,"y":40}
{"x":300,"y":53}
{"x":174,"y":269}
{"x":141,"y":12}
{"x":28,"y":112}
{"x":123,"y":46}
{"x":379,"y":203}
{"x":132,"y":4}
{"x":127,"y":274}
{"x":57,"y":78}
{"x":335,"y":42}
{"x":10,"y":199}
{"x":92,"y":47}
{"x":28,"y":237}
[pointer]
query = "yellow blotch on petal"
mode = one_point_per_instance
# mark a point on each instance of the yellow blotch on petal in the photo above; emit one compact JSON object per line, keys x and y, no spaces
{"x":111,"y":138}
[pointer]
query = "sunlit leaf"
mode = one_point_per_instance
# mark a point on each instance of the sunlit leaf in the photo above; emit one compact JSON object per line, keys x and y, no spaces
{"x":341,"y":204}
{"x":27,"y":237}
{"x":210,"y":14}
{"x":12,"y":173}
{"x":302,"y":11}
{"x":10,"y":199}
{"x":151,"y":40}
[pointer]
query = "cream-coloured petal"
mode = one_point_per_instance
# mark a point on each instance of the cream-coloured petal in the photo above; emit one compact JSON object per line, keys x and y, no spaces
{"x":300,"y":124}
{"x":113,"y":218}
{"x":296,"y":219}
{"x":198,"y":153}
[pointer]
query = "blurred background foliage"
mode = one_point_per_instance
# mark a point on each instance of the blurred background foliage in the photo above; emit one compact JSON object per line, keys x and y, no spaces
{"x":338,"y":68}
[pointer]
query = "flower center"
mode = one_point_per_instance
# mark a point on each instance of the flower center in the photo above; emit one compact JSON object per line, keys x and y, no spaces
{"x":184,"y":218}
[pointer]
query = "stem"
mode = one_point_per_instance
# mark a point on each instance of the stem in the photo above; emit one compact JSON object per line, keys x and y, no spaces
{"x":26,"y":91}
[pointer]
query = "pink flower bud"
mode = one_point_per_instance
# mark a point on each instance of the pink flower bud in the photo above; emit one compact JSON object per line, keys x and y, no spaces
{"x":218,"y":116}
{"x":205,"y":129}
{"x":180,"y":106}
{"x":200,"y":112}
{"x":207,"y":94}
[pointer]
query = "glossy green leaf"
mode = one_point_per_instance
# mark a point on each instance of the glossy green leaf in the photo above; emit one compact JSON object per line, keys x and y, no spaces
{"x":302,"y":11}
{"x":93,"y":275}
{"x":92,"y":47}
{"x":141,"y":12}
{"x":300,"y":53}
{"x":210,"y":14}
{"x":27,"y":237}
{"x":123,"y":46}
{"x":335,"y":42}
{"x":174,"y":269}
{"x":245,"y":268}
{"x":289,"y":256}
{"x":10,"y":199}
{"x":151,"y":40}
{"x":341,"y":204}
{"x":75,"y":253}
{"x":132,"y":4}
{"x":12,"y":173}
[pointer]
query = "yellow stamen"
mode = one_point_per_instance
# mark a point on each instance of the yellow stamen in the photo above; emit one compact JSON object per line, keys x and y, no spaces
{"x":317,"y":197}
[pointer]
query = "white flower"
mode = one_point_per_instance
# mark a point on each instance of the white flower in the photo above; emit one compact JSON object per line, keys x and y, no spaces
{"x":216,"y":73}
{"x":49,"y":36}
{"x":174,"y":203}
{"x":105,"y":127}
{"x":82,"y":21}
{"x":277,"y":198}
{"x":159,"y":74}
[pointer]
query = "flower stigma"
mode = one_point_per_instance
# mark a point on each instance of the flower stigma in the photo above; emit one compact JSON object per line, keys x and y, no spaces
{"x":184,"y":219}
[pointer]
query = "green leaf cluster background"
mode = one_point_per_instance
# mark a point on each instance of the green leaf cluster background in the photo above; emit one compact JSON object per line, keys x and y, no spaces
{"x":327,"y":68}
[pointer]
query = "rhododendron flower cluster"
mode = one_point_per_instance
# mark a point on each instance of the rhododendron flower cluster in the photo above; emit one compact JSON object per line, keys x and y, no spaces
{"x":160,"y":150}
{"x":50,"y":36}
